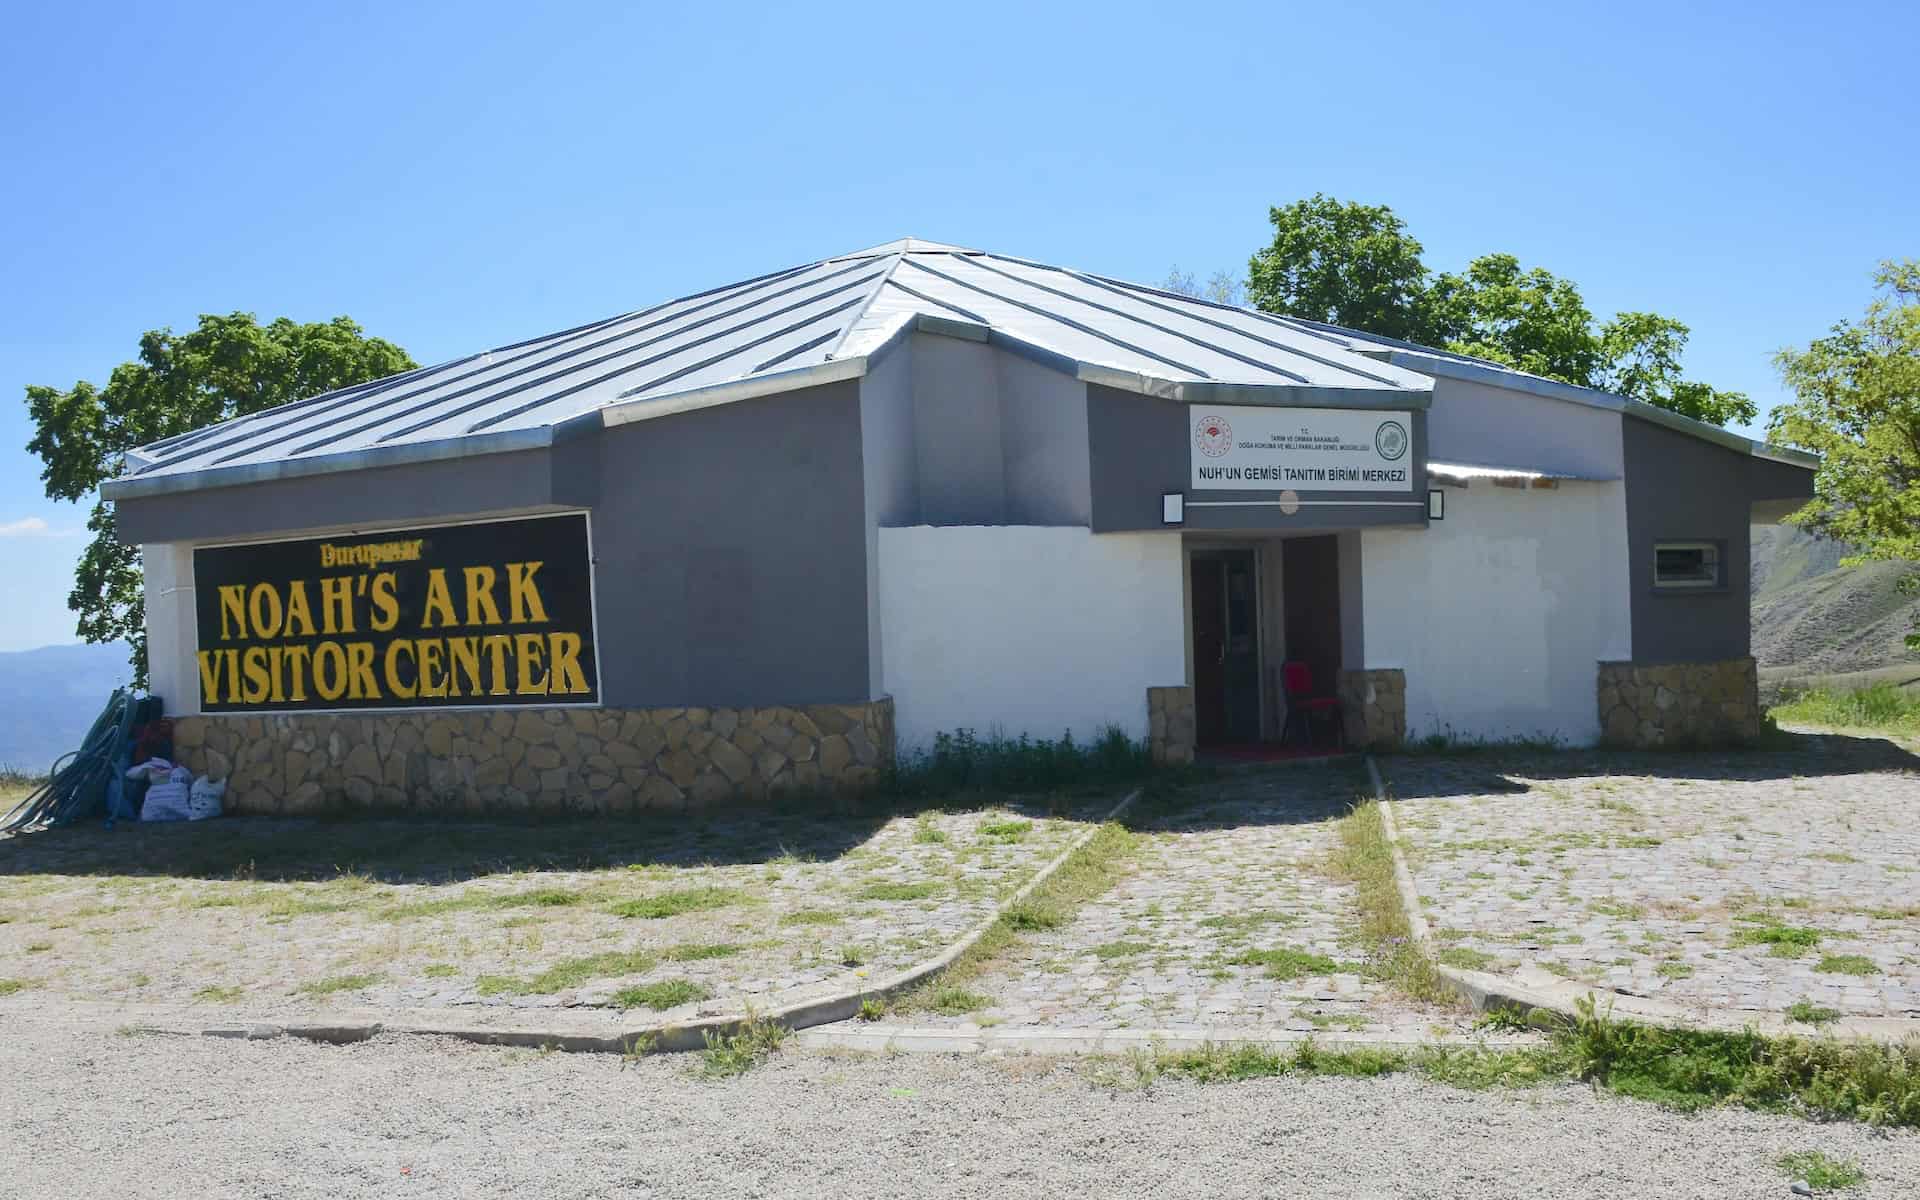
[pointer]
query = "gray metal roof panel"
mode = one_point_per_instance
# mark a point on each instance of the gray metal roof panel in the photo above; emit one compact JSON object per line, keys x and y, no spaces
{"x":777,"y":328}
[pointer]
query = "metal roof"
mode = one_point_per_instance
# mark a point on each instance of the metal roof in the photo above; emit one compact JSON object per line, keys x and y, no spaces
{"x":792,"y":328}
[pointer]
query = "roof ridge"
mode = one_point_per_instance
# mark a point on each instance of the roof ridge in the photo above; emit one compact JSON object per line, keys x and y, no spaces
{"x":879,"y":285}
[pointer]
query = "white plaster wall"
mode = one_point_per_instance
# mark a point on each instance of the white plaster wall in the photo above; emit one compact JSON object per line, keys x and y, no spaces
{"x":1028,"y":629}
{"x":1499,"y":613}
{"x":1505,"y":427}
{"x":172,"y":635}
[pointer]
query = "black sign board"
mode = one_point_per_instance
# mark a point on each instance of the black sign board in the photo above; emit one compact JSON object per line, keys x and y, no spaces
{"x":483,"y":615}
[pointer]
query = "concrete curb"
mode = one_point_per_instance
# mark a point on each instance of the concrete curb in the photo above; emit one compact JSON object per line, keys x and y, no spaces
{"x":1531,"y":988}
{"x":692,"y":1035}
{"x":888,"y":1039}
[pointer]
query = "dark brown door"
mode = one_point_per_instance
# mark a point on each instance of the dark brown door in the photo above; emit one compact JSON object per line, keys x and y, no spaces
{"x":1226,"y":648}
{"x":1209,"y":651}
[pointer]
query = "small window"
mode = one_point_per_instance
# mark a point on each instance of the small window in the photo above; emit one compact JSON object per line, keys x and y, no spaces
{"x":1683,"y":565}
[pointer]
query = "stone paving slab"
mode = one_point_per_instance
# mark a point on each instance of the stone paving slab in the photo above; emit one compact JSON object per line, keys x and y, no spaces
{"x":1229,"y":872}
{"x":276,"y":919}
{"x":1748,"y":882}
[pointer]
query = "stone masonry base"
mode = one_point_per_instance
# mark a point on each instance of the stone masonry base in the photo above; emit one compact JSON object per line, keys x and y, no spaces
{"x":589,"y":760}
{"x":1647,"y":705}
{"x":1373,"y":703}
{"x":1170,"y":730}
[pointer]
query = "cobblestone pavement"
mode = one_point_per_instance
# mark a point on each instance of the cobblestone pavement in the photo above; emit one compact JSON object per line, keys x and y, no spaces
{"x":1230,"y":919}
{"x":272,"y":918}
{"x":1755,"y":881}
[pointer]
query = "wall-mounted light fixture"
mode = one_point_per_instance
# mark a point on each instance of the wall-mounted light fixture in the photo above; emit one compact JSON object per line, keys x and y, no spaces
{"x":1436,"y":505}
{"x":1173,"y":507}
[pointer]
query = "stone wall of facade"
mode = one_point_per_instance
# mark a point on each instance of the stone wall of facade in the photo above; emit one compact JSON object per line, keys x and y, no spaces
{"x":1648,"y":705}
{"x":1170,"y":733}
{"x":1373,"y":705}
{"x":587,"y":760}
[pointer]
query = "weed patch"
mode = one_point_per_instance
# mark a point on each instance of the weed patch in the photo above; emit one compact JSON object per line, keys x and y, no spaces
{"x":1112,"y":950}
{"x":218,"y":994}
{"x":1287,"y":963}
{"x":739,"y":1052}
{"x":1366,"y":858}
{"x":1847,"y":964}
{"x":1466,"y":958}
{"x":1821,"y":1172}
{"x":1808,"y":1013}
{"x":952,"y":1001}
{"x":900,"y":891}
{"x":1882,"y":706}
{"x":9,"y":986}
{"x":1782,"y":941}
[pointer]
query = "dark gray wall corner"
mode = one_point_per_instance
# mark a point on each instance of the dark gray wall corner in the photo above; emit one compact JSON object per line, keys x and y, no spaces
{"x":1777,"y":489}
{"x":1684,"y":489}
{"x":731,"y":554}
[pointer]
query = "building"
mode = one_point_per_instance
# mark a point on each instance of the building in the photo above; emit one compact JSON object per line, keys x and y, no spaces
{"x":758,"y":537}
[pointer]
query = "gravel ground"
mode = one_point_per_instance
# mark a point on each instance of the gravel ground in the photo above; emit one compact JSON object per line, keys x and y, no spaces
{"x":281,"y":918}
{"x":95,"y":1113}
{"x":1724,"y":881}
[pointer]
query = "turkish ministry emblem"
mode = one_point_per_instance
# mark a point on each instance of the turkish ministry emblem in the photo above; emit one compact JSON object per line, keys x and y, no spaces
{"x":1212,"y":436}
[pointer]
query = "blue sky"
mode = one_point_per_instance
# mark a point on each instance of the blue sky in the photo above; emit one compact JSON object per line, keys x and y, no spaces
{"x":466,"y":176}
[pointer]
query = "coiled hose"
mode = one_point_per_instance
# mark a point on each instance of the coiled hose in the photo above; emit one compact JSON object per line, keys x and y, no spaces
{"x":77,"y":788}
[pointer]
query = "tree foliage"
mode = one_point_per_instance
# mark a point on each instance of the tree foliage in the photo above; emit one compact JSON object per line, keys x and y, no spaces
{"x":228,"y":366}
{"x":1342,"y":263}
{"x":1857,"y":405}
{"x":1356,"y":265}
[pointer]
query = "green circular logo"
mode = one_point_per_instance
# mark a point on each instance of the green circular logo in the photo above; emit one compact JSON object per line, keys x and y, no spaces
{"x":1390,"y":440}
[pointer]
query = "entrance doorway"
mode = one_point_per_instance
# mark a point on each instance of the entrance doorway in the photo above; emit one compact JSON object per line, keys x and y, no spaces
{"x":1226,"y":647}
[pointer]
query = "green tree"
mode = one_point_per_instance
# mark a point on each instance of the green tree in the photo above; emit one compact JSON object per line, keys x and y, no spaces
{"x":1342,"y":263}
{"x":1531,"y":320}
{"x":228,"y":366}
{"x":1857,"y":405}
{"x":1356,"y":265}
{"x":1640,"y":356}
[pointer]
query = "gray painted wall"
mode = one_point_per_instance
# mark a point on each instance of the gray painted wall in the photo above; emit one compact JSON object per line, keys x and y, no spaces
{"x":1138,"y":446}
{"x":1680,"y":488}
{"x":417,"y":493}
{"x":732,"y":554}
{"x":890,"y":468}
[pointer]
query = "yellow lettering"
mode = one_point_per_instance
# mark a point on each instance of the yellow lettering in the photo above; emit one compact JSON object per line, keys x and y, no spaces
{"x":361,"y":685}
{"x":275,"y":655}
{"x":395,"y":688}
{"x":297,"y":659}
{"x":496,"y":645}
{"x":529,"y":650}
{"x":210,"y":676}
{"x":233,"y":675}
{"x":254,"y":663}
{"x":432,"y":681}
{"x":463,"y":657}
{"x":438,"y":600}
{"x":566,"y":678}
{"x":299,"y":617}
{"x":386,"y":609}
{"x":336,"y":604}
{"x":233,"y":604}
{"x":523,"y":597}
{"x":329,"y":670}
{"x":481,"y":609}
{"x":265,"y":620}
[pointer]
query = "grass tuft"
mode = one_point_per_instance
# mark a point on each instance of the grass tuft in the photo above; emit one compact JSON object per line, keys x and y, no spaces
{"x":337,"y":983}
{"x":900,"y":891}
{"x":667,"y":993}
{"x":1882,"y":706}
{"x":220,"y":995}
{"x":677,"y":902}
{"x":1808,"y":1013}
{"x":1782,"y":941}
{"x":1847,"y":964}
{"x":1286,"y":963}
{"x":571,"y":973}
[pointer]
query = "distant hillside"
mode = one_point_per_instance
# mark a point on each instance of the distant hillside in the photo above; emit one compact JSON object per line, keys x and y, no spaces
{"x":1811,"y":616}
{"x":49,"y":698}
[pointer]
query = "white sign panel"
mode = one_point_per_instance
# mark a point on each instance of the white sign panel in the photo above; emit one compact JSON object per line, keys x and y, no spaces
{"x":1235,"y":448}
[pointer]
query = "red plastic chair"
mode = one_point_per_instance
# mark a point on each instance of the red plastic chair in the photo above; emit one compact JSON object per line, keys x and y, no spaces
{"x":1296,"y":679}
